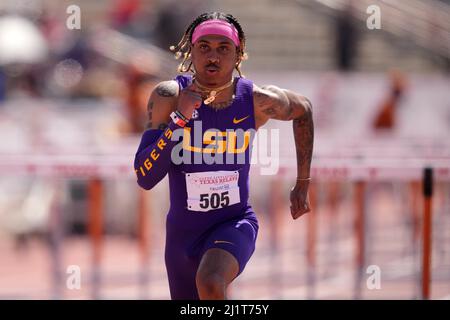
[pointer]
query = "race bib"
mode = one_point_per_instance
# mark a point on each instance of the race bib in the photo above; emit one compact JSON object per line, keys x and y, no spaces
{"x":212,"y":190}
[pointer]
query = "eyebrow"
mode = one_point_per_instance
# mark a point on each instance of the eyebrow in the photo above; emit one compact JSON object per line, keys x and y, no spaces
{"x":208,"y":42}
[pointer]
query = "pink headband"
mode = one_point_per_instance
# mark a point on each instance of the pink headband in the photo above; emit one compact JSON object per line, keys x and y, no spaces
{"x":218,"y":27}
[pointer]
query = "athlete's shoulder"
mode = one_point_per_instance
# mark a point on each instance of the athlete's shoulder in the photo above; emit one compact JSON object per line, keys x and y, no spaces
{"x":166,"y":89}
{"x":165,"y":95}
{"x":163,"y":100}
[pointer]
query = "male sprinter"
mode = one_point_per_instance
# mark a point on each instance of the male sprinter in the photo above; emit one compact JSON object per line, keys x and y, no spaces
{"x":211,"y":227}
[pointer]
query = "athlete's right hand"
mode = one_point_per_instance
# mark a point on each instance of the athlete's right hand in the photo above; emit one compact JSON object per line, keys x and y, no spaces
{"x":189,"y":100}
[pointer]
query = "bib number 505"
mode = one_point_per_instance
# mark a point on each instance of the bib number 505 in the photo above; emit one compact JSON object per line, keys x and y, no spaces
{"x":214,"y":200}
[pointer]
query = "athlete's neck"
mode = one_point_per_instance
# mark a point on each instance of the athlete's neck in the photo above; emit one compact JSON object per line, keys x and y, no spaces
{"x":213,"y":84}
{"x":219,"y":94}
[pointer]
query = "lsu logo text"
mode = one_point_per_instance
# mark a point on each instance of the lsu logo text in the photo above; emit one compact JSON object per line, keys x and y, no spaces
{"x":216,"y":141}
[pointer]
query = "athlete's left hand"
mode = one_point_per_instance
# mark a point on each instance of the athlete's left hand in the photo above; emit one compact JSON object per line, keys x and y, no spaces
{"x":300,"y":199}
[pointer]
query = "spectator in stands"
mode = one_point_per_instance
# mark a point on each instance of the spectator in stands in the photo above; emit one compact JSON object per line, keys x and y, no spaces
{"x":386,"y":116}
{"x":346,"y":39}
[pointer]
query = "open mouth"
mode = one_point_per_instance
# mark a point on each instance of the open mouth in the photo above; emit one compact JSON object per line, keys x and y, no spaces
{"x":212,"y":70}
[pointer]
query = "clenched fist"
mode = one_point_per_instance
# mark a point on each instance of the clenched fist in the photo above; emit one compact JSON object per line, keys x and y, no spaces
{"x":300,"y":199}
{"x":189,"y":100}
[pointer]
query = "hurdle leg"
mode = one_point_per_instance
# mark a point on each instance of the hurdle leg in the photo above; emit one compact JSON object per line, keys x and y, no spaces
{"x":56,"y":237}
{"x":143,"y":234}
{"x":311,"y":238}
{"x":414,"y":190}
{"x":276,"y":271}
{"x":333,"y":224}
{"x":95,"y":224}
{"x":360,"y":187}
{"x":426,"y":233}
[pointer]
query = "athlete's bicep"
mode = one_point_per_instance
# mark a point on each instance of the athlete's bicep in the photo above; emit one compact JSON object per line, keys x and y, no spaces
{"x":272,"y":102}
{"x":161,"y":103}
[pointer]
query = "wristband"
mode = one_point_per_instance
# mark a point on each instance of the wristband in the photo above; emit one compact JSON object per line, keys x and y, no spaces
{"x":177,"y":120}
{"x":180,"y":115}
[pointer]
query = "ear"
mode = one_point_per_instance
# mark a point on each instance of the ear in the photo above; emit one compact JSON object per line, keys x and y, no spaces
{"x":239,"y":59}
{"x":238,"y":55}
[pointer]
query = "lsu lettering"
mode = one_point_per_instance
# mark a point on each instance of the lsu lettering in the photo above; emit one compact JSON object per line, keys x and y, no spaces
{"x":215,"y":141}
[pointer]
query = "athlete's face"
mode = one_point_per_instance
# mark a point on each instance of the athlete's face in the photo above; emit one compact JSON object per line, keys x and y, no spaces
{"x":214,"y":58}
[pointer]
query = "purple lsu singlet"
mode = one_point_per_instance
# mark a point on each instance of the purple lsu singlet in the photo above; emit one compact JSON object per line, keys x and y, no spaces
{"x":209,"y":189}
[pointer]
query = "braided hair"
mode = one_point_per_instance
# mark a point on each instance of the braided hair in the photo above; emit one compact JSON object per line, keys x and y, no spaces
{"x":184,"y":47}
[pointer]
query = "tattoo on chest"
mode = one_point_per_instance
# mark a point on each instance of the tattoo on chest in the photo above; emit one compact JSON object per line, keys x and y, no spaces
{"x":222,"y":105}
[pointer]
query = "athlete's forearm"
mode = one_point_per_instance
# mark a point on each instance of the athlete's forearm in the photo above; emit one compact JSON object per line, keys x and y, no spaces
{"x":304,"y":140}
{"x":153,"y":158}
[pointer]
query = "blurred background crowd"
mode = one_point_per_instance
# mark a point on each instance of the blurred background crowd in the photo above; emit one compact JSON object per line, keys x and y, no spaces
{"x":68,"y":90}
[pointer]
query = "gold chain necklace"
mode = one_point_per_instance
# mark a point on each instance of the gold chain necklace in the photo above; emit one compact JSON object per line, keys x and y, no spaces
{"x":212,"y":92}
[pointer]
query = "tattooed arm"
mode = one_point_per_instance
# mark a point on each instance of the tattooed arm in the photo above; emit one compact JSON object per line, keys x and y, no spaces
{"x":271,"y":102}
{"x":152,"y":159}
{"x":162,"y":102}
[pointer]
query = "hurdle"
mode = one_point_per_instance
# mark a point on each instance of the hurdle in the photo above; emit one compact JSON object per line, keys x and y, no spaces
{"x":60,"y":167}
{"x":87,"y":167}
{"x":364,"y":171}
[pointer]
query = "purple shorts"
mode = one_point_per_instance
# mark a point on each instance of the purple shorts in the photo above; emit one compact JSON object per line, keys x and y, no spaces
{"x":185,"y":249}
